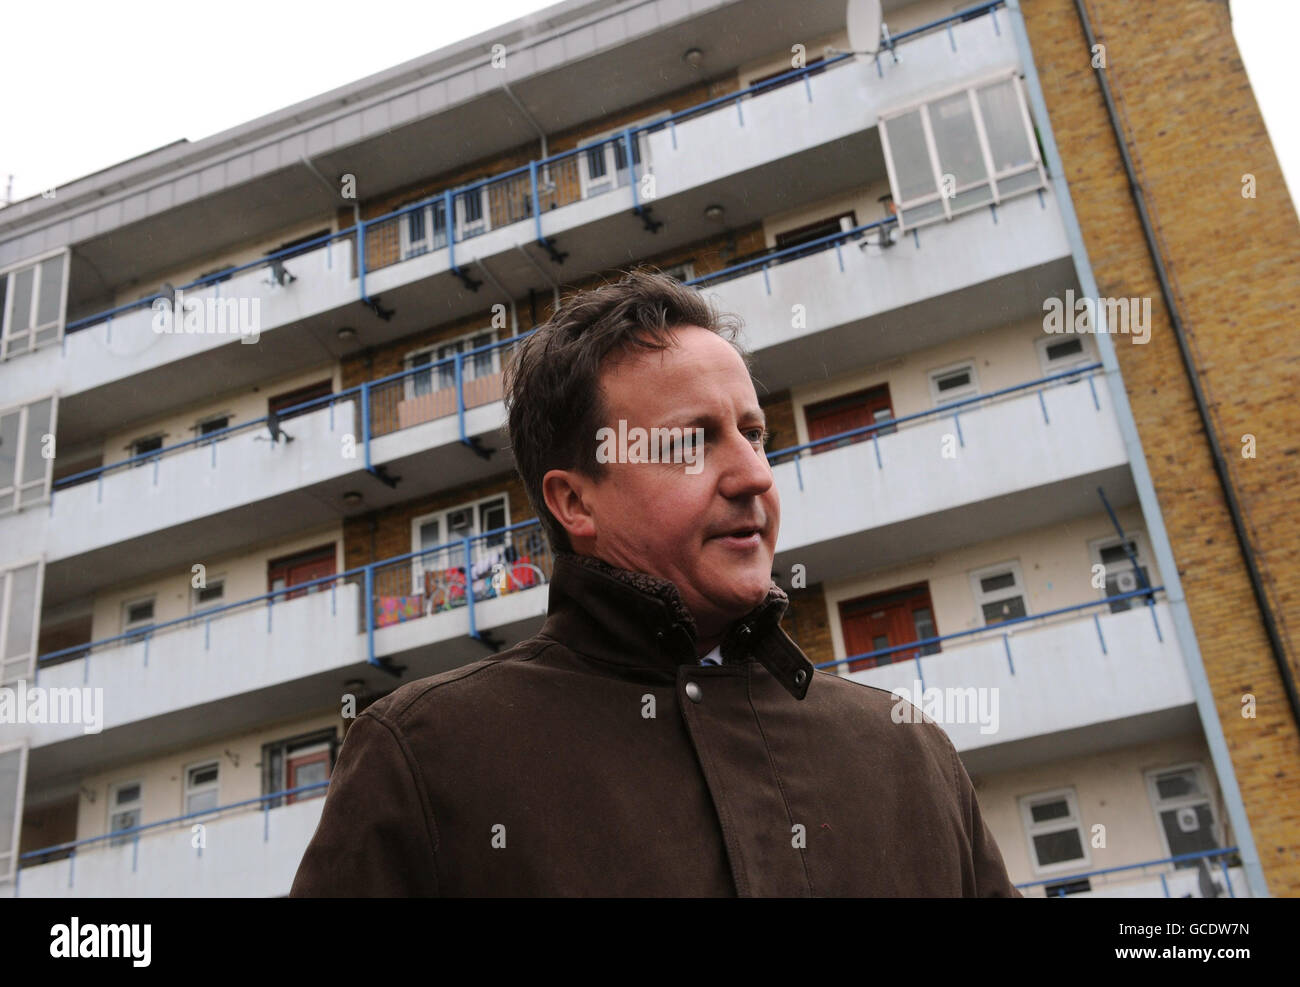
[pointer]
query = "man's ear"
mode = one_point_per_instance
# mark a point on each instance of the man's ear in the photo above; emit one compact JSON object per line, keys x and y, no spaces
{"x":564,"y":492}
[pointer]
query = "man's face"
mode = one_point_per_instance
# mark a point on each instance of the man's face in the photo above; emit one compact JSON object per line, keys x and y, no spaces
{"x":707,"y":522}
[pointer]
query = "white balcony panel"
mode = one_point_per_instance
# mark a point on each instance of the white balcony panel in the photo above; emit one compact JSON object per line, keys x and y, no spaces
{"x":1059,"y":676}
{"x":180,"y":487}
{"x":842,"y":286}
{"x":228,"y":655}
{"x":248,"y":854}
{"x":1008,"y":448}
{"x":843,"y":100}
{"x":127,"y":344}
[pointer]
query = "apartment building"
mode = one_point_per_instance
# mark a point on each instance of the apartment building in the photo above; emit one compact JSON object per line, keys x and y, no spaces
{"x":255,"y":476}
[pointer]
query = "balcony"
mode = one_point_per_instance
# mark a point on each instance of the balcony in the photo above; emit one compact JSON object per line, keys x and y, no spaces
{"x":977,"y":469}
{"x":741,"y":151}
{"x":1208,"y":874}
{"x":236,"y":666}
{"x":1089,"y":678}
{"x":251,"y":851}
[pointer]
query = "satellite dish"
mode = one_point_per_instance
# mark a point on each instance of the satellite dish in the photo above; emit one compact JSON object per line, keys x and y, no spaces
{"x":863,"y":20}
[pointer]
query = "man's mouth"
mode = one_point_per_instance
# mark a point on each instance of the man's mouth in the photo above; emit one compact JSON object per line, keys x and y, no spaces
{"x":747,"y":536}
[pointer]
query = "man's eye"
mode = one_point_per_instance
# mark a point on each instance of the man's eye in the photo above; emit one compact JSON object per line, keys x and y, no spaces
{"x":757,"y":435}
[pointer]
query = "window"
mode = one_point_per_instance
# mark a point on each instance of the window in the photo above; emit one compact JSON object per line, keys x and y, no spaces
{"x":1054,"y":830}
{"x":124,"y":808}
{"x":202,"y":790}
{"x":32,"y":300}
{"x":13,"y":767}
{"x":423,"y":229}
{"x":137,"y":614}
{"x":19,"y":597}
{"x":844,"y":414}
{"x":999,"y":593}
{"x":1121,"y":577}
{"x":1181,"y":800}
{"x":603,"y":165}
{"x":208,"y":597}
{"x":954,"y":383}
{"x":25,"y":470}
{"x":444,"y":527}
{"x":681,"y":272}
{"x":296,"y":762}
{"x":144,"y":446}
{"x":885,"y":620}
{"x":482,"y":364}
{"x":961,"y":150}
{"x":211,"y":425}
{"x":1057,"y":354}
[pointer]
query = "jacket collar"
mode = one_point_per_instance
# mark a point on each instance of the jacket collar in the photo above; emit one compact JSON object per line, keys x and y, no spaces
{"x":638,"y":620}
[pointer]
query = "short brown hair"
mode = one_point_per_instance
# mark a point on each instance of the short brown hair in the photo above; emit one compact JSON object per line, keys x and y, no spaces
{"x":552,"y":382}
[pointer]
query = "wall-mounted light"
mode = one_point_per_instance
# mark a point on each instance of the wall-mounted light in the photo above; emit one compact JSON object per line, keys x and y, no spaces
{"x":351,"y":499}
{"x":347,"y":334}
{"x":714,"y":214}
{"x":693,"y":57}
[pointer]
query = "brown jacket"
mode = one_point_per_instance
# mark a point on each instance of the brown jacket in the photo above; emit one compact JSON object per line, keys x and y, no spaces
{"x":599,"y":758}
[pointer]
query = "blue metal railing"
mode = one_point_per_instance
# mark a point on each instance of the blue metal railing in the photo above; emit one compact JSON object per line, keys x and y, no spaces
{"x":522,"y":193}
{"x":1163,"y":861}
{"x":951,"y":409}
{"x":1000,"y":628}
{"x":132,"y":833}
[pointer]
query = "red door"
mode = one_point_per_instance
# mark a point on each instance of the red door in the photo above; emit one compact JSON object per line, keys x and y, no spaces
{"x":294,"y":570}
{"x":885,"y":620}
{"x":843,"y":414}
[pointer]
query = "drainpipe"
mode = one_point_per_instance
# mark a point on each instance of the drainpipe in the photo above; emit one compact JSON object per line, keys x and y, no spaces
{"x":1206,"y":707}
{"x":1189,"y":367}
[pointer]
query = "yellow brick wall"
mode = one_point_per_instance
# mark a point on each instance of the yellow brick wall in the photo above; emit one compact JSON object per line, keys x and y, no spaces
{"x":1194,"y":130}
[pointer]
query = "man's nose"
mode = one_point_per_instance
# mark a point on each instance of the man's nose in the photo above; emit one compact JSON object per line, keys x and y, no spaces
{"x":743,"y":471}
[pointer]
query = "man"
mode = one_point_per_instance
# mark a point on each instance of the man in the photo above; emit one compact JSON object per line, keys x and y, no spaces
{"x":661,"y":734}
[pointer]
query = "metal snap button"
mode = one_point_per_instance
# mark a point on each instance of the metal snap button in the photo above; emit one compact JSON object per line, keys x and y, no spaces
{"x":800,"y":677}
{"x":693,"y":692}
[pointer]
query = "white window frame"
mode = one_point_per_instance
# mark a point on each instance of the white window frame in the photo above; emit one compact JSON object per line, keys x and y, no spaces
{"x":1050,"y":367}
{"x":8,"y":346}
{"x":992,"y":176}
{"x":1159,"y":804}
{"x":310,"y":751}
{"x":474,"y":506}
{"x":1141,"y":549}
{"x":415,"y":248}
{"x":197,"y":608}
{"x":982,"y":596}
{"x":686,"y":267}
{"x":467,"y":367}
{"x":115,"y":809}
{"x":128,"y":625}
{"x":9,"y":854}
{"x":481,"y":225}
{"x":1073,"y":820}
{"x":188,"y":791}
{"x":969,"y":391}
{"x":614,"y":177}
{"x":198,"y":426}
{"x":24,"y":662}
{"x":21,"y":483}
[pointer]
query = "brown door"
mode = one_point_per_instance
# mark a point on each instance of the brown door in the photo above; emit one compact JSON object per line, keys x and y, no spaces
{"x":276,"y":404}
{"x":294,"y":570}
{"x":843,"y":414}
{"x":885,"y":620}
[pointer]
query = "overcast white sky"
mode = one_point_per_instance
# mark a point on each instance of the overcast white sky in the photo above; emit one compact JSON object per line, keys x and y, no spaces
{"x":95,"y":83}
